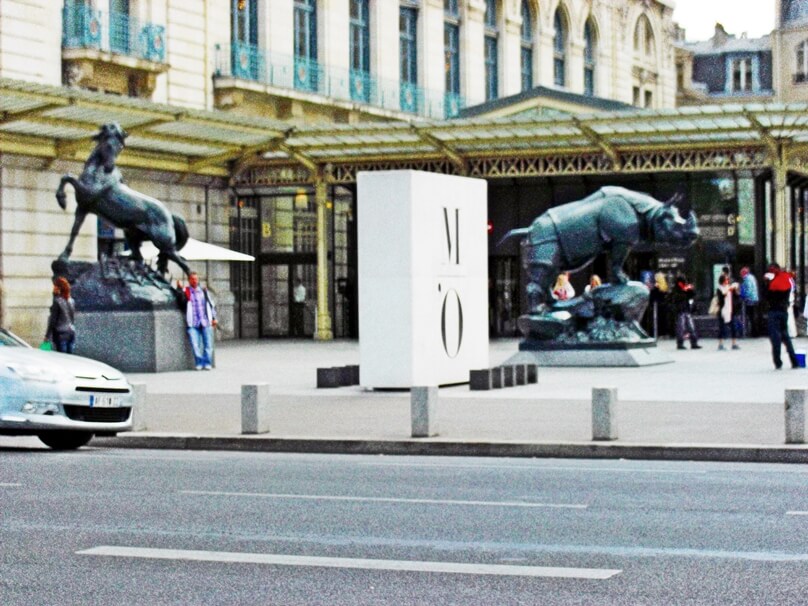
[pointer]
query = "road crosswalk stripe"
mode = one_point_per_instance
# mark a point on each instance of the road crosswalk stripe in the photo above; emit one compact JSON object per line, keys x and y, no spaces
{"x":360,"y":563}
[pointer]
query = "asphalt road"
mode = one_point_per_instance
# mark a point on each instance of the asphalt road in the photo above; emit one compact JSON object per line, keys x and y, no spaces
{"x":127,"y":527}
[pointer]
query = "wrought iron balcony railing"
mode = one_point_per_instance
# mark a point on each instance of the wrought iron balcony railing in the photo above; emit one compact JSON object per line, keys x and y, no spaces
{"x":247,"y":62}
{"x":85,"y":27}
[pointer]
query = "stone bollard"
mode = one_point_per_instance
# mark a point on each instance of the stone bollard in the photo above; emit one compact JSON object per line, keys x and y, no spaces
{"x":424,"y":411}
{"x":604,"y":413}
{"x":519,"y":374}
{"x":795,"y":415}
{"x":140,"y":408}
{"x":255,"y":408}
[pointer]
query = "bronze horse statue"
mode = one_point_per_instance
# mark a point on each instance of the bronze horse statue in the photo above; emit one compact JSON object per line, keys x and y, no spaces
{"x":100,"y":189}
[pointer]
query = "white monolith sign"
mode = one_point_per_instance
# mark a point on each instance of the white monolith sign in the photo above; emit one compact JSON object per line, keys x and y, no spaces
{"x":423,"y":278}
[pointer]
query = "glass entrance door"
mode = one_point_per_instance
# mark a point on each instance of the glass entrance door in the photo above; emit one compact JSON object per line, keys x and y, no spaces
{"x":289,"y":296}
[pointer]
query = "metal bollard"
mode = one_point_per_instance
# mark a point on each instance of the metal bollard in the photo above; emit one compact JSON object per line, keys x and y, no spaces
{"x":139,"y":407}
{"x":255,"y":408}
{"x":795,"y":415}
{"x":424,"y":411}
{"x":604,"y":413}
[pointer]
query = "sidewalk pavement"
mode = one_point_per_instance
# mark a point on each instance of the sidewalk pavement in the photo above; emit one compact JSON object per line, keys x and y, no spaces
{"x":707,"y":404}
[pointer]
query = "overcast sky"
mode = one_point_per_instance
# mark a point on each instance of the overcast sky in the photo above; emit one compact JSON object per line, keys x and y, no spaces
{"x":698,"y":17}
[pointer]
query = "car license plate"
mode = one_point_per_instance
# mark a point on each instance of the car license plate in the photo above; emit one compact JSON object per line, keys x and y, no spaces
{"x":104,"y":400}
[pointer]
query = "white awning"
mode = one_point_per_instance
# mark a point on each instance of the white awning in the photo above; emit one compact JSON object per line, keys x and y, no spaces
{"x":196,"y":250}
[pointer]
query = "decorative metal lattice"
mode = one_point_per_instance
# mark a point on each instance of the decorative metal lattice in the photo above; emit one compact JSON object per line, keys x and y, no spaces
{"x":537,"y":166}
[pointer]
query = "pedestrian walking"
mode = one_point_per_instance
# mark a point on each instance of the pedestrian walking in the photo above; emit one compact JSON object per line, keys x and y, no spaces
{"x":726,"y":325}
{"x":682,"y":299}
{"x":298,"y":309}
{"x":778,"y":291}
{"x":750,"y":301}
{"x":61,"y":331}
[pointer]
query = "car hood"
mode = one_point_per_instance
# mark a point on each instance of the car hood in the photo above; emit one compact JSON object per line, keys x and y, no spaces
{"x":76,"y":366}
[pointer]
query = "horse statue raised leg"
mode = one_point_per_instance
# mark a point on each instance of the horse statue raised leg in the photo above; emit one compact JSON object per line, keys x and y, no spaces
{"x":100,"y":190}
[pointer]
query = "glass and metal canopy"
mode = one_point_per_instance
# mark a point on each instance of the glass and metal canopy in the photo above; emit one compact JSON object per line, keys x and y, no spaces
{"x":58,"y":123}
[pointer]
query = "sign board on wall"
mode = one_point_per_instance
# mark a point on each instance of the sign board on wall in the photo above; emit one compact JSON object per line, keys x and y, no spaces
{"x":423,"y":272}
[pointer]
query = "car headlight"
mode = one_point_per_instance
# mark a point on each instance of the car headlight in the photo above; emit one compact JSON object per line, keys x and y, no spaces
{"x":31,"y":372}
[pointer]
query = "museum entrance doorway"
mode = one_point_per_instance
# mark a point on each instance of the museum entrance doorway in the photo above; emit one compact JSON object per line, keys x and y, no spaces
{"x":288,"y":296}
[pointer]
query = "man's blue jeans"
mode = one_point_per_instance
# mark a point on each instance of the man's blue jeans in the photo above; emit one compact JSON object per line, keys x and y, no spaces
{"x":778,"y":335}
{"x":202,"y":344}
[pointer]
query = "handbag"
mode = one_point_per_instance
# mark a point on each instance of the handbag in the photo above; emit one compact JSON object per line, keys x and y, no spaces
{"x":714,"y":306}
{"x":46,"y":346}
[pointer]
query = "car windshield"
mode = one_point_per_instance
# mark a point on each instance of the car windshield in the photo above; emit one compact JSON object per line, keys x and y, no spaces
{"x":8,"y":338}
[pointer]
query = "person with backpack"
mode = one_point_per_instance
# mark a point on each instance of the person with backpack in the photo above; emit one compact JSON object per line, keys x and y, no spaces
{"x":200,"y":318}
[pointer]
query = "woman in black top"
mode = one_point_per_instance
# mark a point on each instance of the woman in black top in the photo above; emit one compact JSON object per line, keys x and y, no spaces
{"x":61,"y":332}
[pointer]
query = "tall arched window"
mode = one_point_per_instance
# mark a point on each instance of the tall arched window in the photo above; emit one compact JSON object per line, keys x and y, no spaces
{"x":451,"y":51}
{"x":408,"y":55}
{"x":306,"y":67}
{"x":644,"y":42}
{"x":360,"y":50}
{"x":645,"y":71}
{"x":526,"y":52}
{"x":590,"y":54}
{"x":244,"y":38}
{"x":559,"y":49}
{"x":491,"y":50}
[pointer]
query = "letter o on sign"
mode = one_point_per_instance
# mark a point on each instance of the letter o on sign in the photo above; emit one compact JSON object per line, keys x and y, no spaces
{"x":451,"y":323}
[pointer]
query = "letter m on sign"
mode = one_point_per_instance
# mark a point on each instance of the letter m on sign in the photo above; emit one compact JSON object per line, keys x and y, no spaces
{"x":451,"y":222}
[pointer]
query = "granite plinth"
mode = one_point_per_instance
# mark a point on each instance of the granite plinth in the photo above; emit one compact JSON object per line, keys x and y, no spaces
{"x":135,"y":341}
{"x":613,"y":355}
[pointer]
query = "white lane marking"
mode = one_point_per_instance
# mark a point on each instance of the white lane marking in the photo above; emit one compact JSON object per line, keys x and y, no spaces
{"x":9,"y":485}
{"x":318,"y":497}
{"x":534,"y":469}
{"x":361,"y":563}
{"x":797,"y":513}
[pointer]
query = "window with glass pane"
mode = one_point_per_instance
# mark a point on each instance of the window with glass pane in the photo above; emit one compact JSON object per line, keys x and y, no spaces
{"x":306,"y":67}
{"x":450,"y":7}
{"x":559,"y":50}
{"x":801,"y":74}
{"x":491,"y":83}
{"x":408,"y":57}
{"x":742,"y":75}
{"x":451,"y":43}
{"x":491,"y":50}
{"x":526,"y":54}
{"x":360,"y":50}
{"x":119,"y":26}
{"x":589,"y":59}
{"x":244,"y":38}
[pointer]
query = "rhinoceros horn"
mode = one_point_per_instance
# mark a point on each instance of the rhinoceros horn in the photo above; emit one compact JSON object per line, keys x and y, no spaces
{"x":674,"y":199}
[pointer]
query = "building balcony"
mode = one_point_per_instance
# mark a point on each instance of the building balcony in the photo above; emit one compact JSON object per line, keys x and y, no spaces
{"x":132,"y":53}
{"x":249,"y":68}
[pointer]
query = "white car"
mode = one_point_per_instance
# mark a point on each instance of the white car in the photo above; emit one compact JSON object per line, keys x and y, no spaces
{"x":63,"y":399}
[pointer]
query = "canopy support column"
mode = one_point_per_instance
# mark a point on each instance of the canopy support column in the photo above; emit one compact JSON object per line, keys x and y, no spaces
{"x":780,"y":212}
{"x":324,"y":332}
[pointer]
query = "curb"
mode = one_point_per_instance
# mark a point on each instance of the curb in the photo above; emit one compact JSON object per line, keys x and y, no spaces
{"x":435,"y":447}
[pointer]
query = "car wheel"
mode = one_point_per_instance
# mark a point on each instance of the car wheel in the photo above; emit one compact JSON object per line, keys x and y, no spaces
{"x":65,"y":440}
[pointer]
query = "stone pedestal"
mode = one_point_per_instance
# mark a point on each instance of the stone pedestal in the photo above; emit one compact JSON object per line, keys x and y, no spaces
{"x":643,"y":353}
{"x":135,"y":341}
